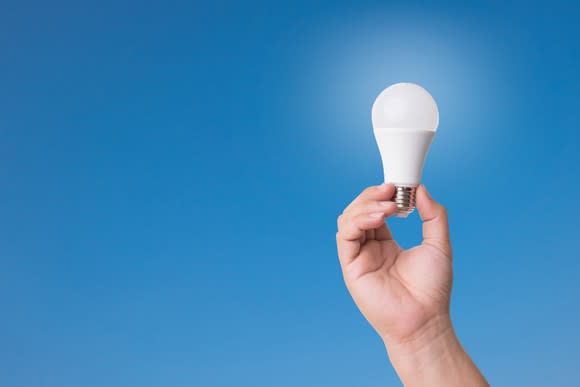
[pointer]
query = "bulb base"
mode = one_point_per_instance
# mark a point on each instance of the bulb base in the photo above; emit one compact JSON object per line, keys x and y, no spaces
{"x":404,"y":197}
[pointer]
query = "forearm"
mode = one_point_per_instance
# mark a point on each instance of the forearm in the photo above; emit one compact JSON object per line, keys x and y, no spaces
{"x":434,"y":357}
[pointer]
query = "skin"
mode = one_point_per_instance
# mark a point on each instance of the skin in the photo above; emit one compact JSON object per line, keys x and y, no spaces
{"x":405,"y":294}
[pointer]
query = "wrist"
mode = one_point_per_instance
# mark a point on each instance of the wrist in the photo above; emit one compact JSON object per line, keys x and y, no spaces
{"x":423,"y":347}
{"x":436,"y":329}
{"x":433,"y":356}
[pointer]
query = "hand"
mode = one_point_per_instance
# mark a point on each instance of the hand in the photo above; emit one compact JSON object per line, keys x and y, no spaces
{"x":404,"y":294}
{"x":398,"y":291}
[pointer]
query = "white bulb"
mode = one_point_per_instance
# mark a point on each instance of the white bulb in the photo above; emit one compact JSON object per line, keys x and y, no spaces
{"x":405,"y":118}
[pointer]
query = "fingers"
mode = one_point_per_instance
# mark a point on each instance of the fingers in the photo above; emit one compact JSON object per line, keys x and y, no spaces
{"x":377,"y":192}
{"x":435,"y":224}
{"x":367,"y":212}
{"x":383,"y":233}
{"x":352,"y":226}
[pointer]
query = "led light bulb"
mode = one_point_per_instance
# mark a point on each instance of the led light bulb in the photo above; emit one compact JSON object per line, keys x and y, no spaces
{"x":405,"y":118}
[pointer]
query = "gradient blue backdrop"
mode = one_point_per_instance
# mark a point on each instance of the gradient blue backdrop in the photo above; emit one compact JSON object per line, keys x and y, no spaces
{"x":171,"y":173}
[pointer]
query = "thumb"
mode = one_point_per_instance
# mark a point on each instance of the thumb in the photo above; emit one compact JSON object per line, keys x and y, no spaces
{"x":435,"y":224}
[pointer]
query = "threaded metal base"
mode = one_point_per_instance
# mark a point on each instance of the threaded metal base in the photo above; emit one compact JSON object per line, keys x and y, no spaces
{"x":404,"y":197}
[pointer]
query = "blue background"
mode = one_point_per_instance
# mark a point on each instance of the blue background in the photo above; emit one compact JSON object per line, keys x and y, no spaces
{"x":171,"y":173}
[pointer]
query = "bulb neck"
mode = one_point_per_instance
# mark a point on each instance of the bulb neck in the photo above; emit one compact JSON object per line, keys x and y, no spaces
{"x":404,"y":197}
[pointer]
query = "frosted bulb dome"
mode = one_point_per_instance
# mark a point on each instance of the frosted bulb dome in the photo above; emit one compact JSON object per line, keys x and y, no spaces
{"x":405,"y":106}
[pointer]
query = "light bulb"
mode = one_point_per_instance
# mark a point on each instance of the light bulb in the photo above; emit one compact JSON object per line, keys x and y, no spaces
{"x":405,"y":118}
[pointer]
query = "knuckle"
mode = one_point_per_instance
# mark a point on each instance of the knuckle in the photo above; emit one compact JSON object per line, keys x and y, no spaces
{"x":368,"y":190}
{"x":340,"y":220}
{"x":442,"y":211}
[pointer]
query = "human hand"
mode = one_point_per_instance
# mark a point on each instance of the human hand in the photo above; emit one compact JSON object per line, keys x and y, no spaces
{"x":398,"y":291}
{"x":404,"y":294}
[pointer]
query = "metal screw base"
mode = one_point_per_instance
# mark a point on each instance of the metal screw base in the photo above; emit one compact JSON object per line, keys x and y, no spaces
{"x":404,"y":197}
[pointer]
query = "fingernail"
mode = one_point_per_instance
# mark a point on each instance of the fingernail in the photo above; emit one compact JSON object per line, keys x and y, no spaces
{"x":385,"y":204}
{"x":377,"y":215}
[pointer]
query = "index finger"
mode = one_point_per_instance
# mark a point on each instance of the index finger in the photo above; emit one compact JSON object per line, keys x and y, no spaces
{"x":377,"y":192}
{"x":356,"y":221}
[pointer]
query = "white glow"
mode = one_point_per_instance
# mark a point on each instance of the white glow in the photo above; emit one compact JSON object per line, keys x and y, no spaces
{"x":344,"y":63}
